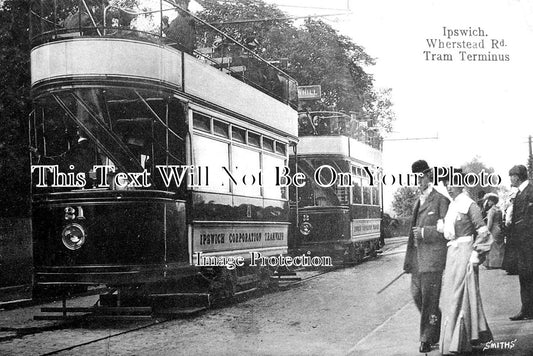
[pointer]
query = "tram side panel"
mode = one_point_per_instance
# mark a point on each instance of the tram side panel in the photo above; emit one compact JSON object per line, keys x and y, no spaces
{"x":240,"y":211}
{"x":322,"y":232}
{"x":119,"y":241}
{"x":339,"y":232}
{"x":366,"y":229}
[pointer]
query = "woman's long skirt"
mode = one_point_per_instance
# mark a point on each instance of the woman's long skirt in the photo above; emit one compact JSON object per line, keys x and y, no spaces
{"x":497,"y":249}
{"x":495,"y":255}
{"x":463,"y":319}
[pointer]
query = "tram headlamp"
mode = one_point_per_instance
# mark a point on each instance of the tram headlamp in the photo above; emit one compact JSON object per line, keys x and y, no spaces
{"x":73,"y":236}
{"x":305,"y":228}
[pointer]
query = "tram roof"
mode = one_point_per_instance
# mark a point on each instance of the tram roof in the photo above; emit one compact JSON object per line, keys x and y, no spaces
{"x":98,"y":55}
{"x":340,"y":146}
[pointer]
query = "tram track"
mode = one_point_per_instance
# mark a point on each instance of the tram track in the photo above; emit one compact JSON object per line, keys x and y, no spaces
{"x":55,"y":352}
{"x":160,"y":320}
{"x":305,"y":275}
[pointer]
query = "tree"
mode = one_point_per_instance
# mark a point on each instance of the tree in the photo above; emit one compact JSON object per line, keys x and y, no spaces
{"x":476,"y":166}
{"x":319,"y":55}
{"x":381,"y":110}
{"x":218,"y":12}
{"x":316,"y":53}
{"x":14,"y":108}
{"x":404,"y":201}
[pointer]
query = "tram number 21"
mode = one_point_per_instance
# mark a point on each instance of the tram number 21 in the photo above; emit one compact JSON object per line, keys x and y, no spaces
{"x":74,"y":213}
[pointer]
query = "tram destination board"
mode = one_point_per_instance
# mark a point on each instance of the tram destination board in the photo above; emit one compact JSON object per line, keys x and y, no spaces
{"x":309,"y":92}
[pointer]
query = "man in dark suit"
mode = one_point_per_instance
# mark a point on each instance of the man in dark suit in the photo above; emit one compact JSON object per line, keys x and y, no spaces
{"x":522,"y":235}
{"x":426,"y":255}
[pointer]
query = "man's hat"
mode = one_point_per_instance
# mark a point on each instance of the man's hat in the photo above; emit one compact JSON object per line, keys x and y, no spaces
{"x":420,"y":166}
{"x":520,"y":171}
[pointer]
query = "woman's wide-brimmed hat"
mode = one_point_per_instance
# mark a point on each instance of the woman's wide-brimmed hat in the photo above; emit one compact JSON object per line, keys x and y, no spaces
{"x":492,"y":196}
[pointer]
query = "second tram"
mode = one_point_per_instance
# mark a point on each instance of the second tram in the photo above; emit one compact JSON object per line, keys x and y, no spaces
{"x":338,"y":210}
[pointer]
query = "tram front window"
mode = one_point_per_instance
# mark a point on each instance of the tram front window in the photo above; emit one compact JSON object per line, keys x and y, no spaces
{"x":319,"y":173}
{"x":129,"y":131}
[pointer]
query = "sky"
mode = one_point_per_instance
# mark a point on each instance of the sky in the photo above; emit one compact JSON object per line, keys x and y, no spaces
{"x":475,"y":108}
{"x":463,"y":108}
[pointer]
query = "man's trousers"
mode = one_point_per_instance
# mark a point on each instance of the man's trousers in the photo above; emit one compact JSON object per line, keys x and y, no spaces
{"x":426,"y":288}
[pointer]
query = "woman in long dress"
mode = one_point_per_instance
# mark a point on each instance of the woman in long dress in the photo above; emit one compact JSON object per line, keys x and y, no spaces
{"x":494,"y":221}
{"x":463,"y":319}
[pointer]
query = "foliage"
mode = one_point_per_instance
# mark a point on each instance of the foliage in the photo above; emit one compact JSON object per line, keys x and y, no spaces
{"x":14,"y":108}
{"x":476,"y":166}
{"x":504,"y":194}
{"x":404,"y":201}
{"x":222,"y":11}
{"x":381,"y":110}
{"x":530,"y":166}
{"x":317,"y":54}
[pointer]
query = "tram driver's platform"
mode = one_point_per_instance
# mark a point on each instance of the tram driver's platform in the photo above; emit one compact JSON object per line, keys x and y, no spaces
{"x":500,"y":293}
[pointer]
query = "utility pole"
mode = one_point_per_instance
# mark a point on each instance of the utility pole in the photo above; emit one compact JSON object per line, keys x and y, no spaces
{"x":530,"y":160}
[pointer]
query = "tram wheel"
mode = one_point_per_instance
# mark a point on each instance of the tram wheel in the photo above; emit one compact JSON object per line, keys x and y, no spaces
{"x":223,"y":285}
{"x":354,"y":255}
{"x":374,"y":249}
{"x":265,"y":275}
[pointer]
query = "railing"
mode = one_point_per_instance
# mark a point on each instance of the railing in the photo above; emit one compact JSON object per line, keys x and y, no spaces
{"x":169,"y":25}
{"x":332,"y":123}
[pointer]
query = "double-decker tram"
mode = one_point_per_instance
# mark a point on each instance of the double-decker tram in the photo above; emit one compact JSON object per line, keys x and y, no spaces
{"x":338,"y":210}
{"x":154,"y":152}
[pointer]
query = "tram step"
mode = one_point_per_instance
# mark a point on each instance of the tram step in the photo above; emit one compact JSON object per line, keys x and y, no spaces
{"x":285,"y":278}
{"x":99,"y":310}
{"x":180,"y":300}
{"x":246,"y":291}
{"x":60,"y":317}
{"x":92,"y":316}
{"x":249,"y":279}
{"x":178,"y":311}
{"x":284,"y":273}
